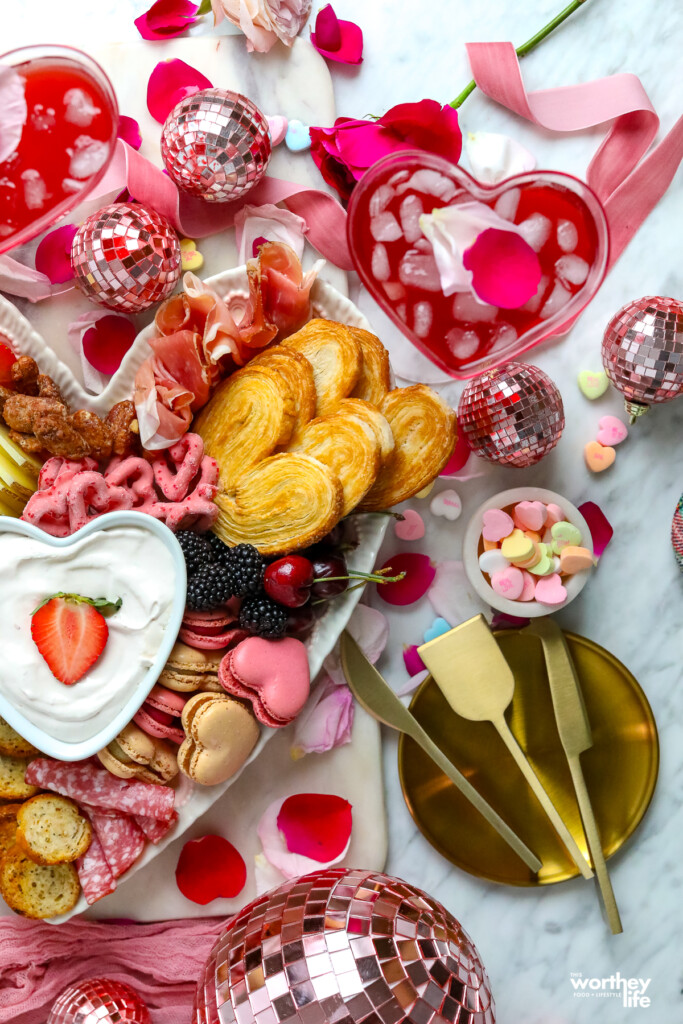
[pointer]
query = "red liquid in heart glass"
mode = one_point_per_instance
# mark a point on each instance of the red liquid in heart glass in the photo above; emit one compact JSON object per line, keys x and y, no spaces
{"x":66,"y":144}
{"x":457,"y":332}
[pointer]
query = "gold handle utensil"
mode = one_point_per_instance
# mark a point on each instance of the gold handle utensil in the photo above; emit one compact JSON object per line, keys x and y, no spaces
{"x":469,"y":668}
{"x":374,"y":694}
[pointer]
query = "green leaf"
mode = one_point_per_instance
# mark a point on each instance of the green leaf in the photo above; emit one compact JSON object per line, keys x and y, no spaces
{"x":103,"y":604}
{"x":204,"y":8}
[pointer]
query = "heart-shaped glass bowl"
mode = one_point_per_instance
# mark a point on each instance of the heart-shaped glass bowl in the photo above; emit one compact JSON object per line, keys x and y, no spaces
{"x":134,"y":695}
{"x":50,"y":73}
{"x":564,"y":221}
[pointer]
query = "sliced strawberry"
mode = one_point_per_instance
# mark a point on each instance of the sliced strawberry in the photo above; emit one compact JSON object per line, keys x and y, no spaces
{"x":70,"y":633}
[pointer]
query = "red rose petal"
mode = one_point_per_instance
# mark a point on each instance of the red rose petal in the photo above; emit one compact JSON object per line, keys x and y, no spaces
{"x":53,"y":255}
{"x":107,"y":341}
{"x":7,"y":360}
{"x":458,"y":459}
{"x":208,"y":868}
{"x":337,"y":40}
{"x":413,"y":661}
{"x":505,"y":269}
{"x":599,"y":526}
{"x":419,"y":576}
{"x":166,"y":19}
{"x":129,"y":131}
{"x":316,"y":825}
{"x":170,"y":82}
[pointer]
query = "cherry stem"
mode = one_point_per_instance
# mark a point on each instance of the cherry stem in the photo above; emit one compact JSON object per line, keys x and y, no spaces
{"x":369,"y":578}
{"x":525,"y":48}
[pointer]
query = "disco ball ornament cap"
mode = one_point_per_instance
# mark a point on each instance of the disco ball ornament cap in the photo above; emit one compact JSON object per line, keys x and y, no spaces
{"x":343,"y":946}
{"x":511,"y":415}
{"x":216,"y":145}
{"x":642,"y":351}
{"x":99,"y":1001}
{"x":126,"y":257}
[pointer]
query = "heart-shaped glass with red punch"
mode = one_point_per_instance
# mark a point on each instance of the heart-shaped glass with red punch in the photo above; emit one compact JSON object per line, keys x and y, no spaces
{"x":59,"y":119}
{"x":557,"y":215}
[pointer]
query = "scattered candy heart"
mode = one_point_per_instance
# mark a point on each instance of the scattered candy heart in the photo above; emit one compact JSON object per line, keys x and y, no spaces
{"x":599,"y":526}
{"x":419,"y":575}
{"x":277,"y":125}
{"x":593,"y":385}
{"x":574,"y":559}
{"x":297,"y":137}
{"x":208,"y":868}
{"x":493,"y":561}
{"x":508,"y":583}
{"x":564,"y":534}
{"x":315,"y":825}
{"x":598,"y":457}
{"x":530,"y":515}
{"x":438,"y":628}
{"x":497,"y":524}
{"x":190,"y":256}
{"x":517,"y":547}
{"x":426,"y":491}
{"x":412,"y":660}
{"x":411,"y":527}
{"x":549,"y":590}
{"x":612,"y":431}
{"x":447,"y":504}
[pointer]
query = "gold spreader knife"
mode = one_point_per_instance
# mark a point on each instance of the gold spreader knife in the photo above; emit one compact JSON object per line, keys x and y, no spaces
{"x":374,"y":694}
{"x":469,"y":668}
{"x":575,"y":736}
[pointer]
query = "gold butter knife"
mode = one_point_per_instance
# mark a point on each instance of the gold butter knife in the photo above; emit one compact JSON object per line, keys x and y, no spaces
{"x":575,"y":735}
{"x":374,"y":694}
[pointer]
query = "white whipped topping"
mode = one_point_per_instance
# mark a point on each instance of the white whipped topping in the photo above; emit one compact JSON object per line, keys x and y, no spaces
{"x":127,"y":562}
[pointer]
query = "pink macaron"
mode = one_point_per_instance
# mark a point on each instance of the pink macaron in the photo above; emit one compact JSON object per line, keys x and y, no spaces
{"x":160,"y":715}
{"x":273,"y":675}
{"x":211,"y":631}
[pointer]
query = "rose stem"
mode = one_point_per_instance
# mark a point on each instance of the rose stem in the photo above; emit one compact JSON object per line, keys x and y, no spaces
{"x":525,"y":48}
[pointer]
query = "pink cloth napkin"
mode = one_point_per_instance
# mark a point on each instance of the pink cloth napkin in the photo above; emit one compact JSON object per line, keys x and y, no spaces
{"x":161,"y":961}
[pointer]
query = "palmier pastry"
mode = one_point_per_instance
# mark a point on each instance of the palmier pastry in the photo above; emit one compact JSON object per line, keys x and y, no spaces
{"x":298,"y":373}
{"x":424,"y":430}
{"x":336,"y":357}
{"x":285,"y":502}
{"x":373,"y":419}
{"x":349,"y":448}
{"x":375,"y":376}
{"x":248,"y":416}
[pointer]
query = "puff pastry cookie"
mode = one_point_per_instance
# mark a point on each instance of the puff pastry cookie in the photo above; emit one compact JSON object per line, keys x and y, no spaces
{"x":298,"y":374}
{"x":370,"y":416}
{"x":336,"y":357}
{"x":287,"y":501}
{"x":375,"y":376}
{"x":424,"y":430}
{"x":350,"y":450}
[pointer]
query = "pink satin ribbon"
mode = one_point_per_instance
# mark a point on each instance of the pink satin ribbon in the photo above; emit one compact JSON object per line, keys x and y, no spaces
{"x":628,"y":180}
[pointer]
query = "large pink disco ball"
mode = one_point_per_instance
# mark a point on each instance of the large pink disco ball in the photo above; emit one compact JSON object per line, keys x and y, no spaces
{"x":347,"y":947}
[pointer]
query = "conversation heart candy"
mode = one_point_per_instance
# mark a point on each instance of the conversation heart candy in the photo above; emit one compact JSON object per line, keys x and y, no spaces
{"x":508,"y":583}
{"x":190,"y":256}
{"x":611,"y":431}
{"x":492,"y":561}
{"x":531,"y":515}
{"x":529,"y":588}
{"x":555,"y":515}
{"x":598,"y":457}
{"x":593,"y":384}
{"x":574,"y":559}
{"x":497,"y":524}
{"x":564,"y":534}
{"x":533,"y":559}
{"x":277,"y":126}
{"x":438,"y":628}
{"x":297,"y":137}
{"x":544,"y":566}
{"x":411,"y":527}
{"x":517,"y":547}
{"x":549,"y":590}
{"x":446,"y":504}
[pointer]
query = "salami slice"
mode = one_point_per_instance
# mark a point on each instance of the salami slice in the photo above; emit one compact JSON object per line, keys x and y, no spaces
{"x":94,"y":873}
{"x":88,"y":784}
{"x":155,"y":830}
{"x":122,"y":840}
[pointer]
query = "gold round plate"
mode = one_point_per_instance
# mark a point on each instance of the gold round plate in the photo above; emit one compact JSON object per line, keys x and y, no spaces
{"x":620,"y":768}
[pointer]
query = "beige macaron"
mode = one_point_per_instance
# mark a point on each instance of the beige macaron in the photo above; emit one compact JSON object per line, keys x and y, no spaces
{"x":188,"y":669}
{"x":135,"y":755}
{"x":220,"y":734}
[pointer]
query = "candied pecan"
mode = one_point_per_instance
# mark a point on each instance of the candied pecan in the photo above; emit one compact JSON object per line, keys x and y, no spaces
{"x":123,"y":421}
{"x":25,"y":374}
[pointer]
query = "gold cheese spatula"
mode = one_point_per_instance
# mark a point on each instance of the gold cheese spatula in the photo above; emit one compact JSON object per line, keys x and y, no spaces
{"x":469,"y":668}
{"x":374,"y":694}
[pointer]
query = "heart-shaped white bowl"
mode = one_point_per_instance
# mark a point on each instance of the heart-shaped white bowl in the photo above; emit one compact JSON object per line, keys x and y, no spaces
{"x":134,"y":694}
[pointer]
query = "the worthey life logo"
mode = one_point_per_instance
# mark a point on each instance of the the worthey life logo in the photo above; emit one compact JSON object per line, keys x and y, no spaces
{"x":631,"y":991}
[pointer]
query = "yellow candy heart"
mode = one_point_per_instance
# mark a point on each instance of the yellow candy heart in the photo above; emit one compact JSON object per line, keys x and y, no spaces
{"x":517,"y":547}
{"x":190,"y":256}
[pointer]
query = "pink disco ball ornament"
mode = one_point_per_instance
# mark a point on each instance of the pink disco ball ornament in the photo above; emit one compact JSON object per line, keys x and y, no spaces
{"x":216,"y":145}
{"x":512,"y":415}
{"x":126,"y":257}
{"x":99,"y":1001}
{"x":344,"y":946}
{"x":642,"y":352}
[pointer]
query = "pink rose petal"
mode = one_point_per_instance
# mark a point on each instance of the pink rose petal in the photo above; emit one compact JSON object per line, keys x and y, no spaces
{"x":412,"y":684}
{"x":316,"y":825}
{"x":599,"y":526}
{"x":53,"y":255}
{"x":326,"y":721}
{"x":505,"y":269}
{"x":170,"y":82}
{"x":335,"y":39}
{"x":13,"y":110}
{"x":129,"y":131}
{"x":419,"y":575}
{"x":107,"y":341}
{"x":451,"y":595}
{"x":166,"y":19}
{"x":369,"y":627}
{"x":412,"y":660}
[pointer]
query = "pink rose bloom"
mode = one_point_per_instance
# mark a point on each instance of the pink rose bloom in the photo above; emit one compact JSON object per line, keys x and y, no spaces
{"x":264,"y":21}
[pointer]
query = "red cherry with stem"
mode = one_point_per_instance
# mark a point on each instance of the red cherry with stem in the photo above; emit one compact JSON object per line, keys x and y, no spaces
{"x":288,"y":580}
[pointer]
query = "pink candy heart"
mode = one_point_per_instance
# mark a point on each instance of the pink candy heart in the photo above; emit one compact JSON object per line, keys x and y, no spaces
{"x":612,"y":431}
{"x":411,"y":527}
{"x":531,"y":515}
{"x":508,"y":583}
{"x":497,"y":525}
{"x":549,"y":590}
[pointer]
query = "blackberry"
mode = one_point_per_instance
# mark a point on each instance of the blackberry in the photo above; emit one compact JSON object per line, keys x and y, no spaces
{"x":196,"y":549}
{"x":247,"y":567}
{"x":219,"y":550}
{"x":209,"y":588}
{"x":262,"y":616}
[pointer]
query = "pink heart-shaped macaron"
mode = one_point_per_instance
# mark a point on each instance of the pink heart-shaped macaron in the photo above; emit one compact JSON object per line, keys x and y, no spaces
{"x":549,"y":590}
{"x":612,"y":431}
{"x":497,"y":524}
{"x":531,"y":515}
{"x":276,"y":671}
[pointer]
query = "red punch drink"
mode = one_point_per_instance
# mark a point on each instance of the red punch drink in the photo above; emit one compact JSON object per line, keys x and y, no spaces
{"x":66,"y":144}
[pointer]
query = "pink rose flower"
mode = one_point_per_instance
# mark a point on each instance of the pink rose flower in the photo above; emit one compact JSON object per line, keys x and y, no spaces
{"x":264,"y":21}
{"x":343,"y":153}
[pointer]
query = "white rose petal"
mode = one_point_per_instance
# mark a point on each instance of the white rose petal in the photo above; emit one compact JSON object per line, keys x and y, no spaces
{"x":494,"y":157}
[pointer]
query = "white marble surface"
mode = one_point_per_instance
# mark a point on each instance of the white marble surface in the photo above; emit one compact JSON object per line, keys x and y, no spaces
{"x":532,"y":940}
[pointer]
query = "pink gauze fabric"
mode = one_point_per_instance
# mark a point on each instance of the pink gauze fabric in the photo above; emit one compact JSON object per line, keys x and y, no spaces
{"x":161,"y":961}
